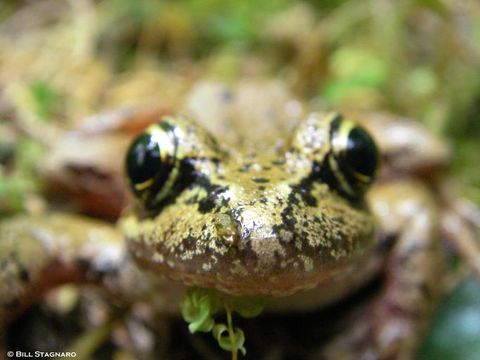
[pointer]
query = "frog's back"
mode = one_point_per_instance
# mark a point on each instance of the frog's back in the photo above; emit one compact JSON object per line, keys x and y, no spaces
{"x":249,"y":113}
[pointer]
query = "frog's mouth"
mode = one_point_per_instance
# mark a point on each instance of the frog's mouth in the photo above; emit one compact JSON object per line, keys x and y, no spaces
{"x":246,"y":253}
{"x":249,"y":276}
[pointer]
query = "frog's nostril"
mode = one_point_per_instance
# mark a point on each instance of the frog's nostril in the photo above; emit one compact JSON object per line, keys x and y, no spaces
{"x":227,"y":229}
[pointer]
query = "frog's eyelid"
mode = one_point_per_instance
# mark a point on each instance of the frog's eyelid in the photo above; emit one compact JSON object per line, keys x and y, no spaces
{"x":161,"y":136}
{"x":200,"y":142}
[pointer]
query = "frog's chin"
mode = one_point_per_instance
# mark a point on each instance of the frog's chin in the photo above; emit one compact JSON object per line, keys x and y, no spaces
{"x":329,"y":284}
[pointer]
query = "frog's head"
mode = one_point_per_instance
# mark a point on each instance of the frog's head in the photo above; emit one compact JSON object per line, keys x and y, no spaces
{"x":252,"y":223}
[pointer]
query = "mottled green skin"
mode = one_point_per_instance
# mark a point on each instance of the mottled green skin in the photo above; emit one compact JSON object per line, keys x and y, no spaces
{"x":255,"y":223}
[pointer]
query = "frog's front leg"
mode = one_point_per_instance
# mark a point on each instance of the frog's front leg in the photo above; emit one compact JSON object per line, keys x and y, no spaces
{"x":393,"y":324}
{"x":39,"y":253}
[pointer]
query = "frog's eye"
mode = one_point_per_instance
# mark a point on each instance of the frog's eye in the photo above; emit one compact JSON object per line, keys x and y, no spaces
{"x":152,"y":163}
{"x":355,"y":156}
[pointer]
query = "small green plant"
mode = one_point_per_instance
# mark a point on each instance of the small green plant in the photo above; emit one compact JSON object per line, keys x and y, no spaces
{"x":200,"y":305}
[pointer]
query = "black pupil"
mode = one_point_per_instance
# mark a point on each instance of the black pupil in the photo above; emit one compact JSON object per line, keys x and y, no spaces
{"x":362,"y":155}
{"x":143,"y":159}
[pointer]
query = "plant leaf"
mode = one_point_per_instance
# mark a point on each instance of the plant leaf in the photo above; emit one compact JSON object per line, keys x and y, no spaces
{"x":197,"y":308}
{"x":221,"y":334}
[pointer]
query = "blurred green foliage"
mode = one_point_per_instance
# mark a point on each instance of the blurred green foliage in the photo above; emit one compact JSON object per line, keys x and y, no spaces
{"x":456,"y":332}
{"x":46,"y":99}
{"x":353,"y":70}
{"x":23,"y":181}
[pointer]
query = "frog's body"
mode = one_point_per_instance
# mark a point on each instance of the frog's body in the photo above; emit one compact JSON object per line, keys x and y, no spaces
{"x":273,"y":220}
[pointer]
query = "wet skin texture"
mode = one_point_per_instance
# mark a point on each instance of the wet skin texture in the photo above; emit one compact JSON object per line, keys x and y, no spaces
{"x":288,"y":220}
{"x":268,"y":217}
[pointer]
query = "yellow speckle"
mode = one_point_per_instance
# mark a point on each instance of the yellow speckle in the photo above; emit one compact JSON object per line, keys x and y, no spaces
{"x":158,"y":258}
{"x":307,"y":263}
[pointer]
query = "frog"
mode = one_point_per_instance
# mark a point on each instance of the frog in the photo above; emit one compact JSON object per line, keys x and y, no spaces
{"x":245,"y":192}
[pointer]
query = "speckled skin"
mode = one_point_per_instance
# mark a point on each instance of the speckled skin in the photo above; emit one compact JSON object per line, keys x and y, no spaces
{"x":252,"y":218}
{"x":255,"y":223}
